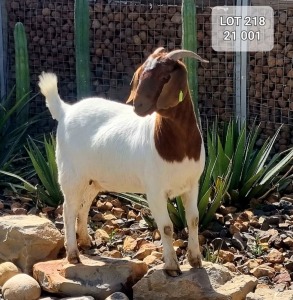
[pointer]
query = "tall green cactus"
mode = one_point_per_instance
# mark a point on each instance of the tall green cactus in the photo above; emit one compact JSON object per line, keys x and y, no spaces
{"x":82,"y":49}
{"x":22,"y":76}
{"x":189,"y":42}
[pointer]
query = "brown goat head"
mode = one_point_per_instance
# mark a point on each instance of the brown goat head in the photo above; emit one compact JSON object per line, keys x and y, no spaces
{"x":160,"y":82}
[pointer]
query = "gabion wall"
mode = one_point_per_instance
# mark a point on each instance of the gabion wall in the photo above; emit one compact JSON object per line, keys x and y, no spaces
{"x":270,"y":82}
{"x":123,"y":34}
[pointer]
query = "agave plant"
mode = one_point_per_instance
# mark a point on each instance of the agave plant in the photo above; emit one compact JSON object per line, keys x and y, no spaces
{"x":254,"y":172}
{"x":12,"y":137}
{"x":45,"y":167}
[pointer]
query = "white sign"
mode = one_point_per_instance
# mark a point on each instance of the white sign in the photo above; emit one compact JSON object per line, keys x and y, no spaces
{"x":242,"y":28}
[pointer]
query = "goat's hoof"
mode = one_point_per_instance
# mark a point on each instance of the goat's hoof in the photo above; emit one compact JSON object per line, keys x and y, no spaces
{"x":85,"y":244}
{"x":73,"y":258}
{"x":195,"y":261}
{"x":173,"y":273}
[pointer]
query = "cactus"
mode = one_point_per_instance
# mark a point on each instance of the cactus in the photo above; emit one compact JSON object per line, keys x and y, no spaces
{"x":189,"y":42}
{"x":82,"y":50}
{"x":22,"y":76}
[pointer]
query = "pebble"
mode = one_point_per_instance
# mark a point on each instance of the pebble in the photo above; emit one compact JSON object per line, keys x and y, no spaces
{"x":117,"y":296}
{"x":275,"y":256}
{"x":263,"y":270}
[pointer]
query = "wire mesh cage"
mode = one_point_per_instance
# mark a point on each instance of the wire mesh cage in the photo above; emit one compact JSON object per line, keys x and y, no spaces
{"x":270,"y":79}
{"x":124,"y":33}
{"x":216,"y":79}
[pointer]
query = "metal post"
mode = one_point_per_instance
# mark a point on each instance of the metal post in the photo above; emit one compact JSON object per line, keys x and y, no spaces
{"x":3,"y":48}
{"x":237,"y":76}
{"x":241,"y":75}
{"x":243,"y":98}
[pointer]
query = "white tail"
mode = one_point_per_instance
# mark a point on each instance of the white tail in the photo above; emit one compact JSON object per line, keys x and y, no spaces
{"x":48,"y":86}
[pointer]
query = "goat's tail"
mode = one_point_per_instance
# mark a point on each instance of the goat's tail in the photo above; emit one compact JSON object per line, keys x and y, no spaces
{"x":48,"y":86}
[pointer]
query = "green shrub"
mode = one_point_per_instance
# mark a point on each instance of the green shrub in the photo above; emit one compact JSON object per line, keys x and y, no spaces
{"x":254,"y":172}
{"x":12,"y":136}
{"x":45,"y":167}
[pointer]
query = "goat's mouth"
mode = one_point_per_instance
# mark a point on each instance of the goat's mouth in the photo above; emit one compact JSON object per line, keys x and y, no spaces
{"x":142,"y":112}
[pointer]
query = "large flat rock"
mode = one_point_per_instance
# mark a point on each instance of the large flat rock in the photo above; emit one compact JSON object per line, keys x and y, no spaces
{"x":212,"y":282}
{"x":94,"y":276}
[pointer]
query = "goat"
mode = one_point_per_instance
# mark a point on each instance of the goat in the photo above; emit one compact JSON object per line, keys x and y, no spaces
{"x":154,"y":147}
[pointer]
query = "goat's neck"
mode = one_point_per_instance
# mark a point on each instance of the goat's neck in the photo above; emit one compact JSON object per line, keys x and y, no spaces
{"x":176,"y":132}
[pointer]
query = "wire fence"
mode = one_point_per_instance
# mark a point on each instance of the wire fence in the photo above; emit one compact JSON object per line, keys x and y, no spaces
{"x":123,"y":34}
{"x":270,"y":81}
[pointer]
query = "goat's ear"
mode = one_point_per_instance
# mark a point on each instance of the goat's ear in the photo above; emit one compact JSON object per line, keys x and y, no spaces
{"x":134,"y":84}
{"x":174,"y":90}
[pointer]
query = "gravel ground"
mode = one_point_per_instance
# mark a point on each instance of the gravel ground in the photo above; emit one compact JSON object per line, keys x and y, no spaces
{"x":257,"y":240}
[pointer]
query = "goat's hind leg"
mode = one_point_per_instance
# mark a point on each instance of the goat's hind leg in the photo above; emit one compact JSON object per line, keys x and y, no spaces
{"x":192,"y":218}
{"x":70,"y":211}
{"x":84,"y":240}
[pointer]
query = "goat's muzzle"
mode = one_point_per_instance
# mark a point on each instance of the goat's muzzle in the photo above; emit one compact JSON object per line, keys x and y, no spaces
{"x":142,"y":108}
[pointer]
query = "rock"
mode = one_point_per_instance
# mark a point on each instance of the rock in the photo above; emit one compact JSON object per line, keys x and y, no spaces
{"x":7,"y":270}
{"x":226,"y":256}
{"x":95,"y":276}
{"x":230,"y":266}
{"x":77,"y":298}
{"x":263,"y":270}
{"x":265,"y":294}
{"x":282,"y":278}
{"x":21,"y":287}
{"x":275,"y":256}
{"x":227,"y":210}
{"x":212,"y":282}
{"x":288,"y":242}
{"x":219,"y":244}
{"x":150,"y":259}
{"x":101,"y":236}
{"x":261,"y":294}
{"x":25,"y":240}
{"x":117,"y":296}
{"x":265,"y":236}
{"x":69,"y":298}
{"x":157,"y":254}
{"x":289,"y":265}
{"x":113,"y":254}
{"x":156,"y":235}
{"x":145,"y":250}
{"x":238,"y":242}
{"x":238,"y":227}
{"x":129,"y":244}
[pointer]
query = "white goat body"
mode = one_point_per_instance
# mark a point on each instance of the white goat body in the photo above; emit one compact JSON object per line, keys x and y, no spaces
{"x":105,"y":146}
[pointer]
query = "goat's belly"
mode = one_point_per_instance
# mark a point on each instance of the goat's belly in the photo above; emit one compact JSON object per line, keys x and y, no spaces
{"x":119,"y":187}
{"x":120,"y":184}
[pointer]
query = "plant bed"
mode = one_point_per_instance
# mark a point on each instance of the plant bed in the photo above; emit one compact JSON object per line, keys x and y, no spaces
{"x":256,"y":241}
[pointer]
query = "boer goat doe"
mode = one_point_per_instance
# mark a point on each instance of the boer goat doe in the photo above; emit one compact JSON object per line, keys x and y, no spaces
{"x":154,"y":147}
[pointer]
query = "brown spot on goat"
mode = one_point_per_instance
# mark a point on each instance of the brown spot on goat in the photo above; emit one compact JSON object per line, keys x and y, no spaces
{"x":168,"y":230}
{"x":161,"y":85}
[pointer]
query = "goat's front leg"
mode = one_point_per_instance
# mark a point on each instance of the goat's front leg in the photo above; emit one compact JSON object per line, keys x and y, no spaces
{"x":158,"y":206}
{"x":192,"y":217}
